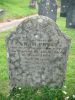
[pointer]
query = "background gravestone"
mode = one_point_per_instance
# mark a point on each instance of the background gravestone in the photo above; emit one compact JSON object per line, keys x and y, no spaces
{"x":64,"y":7}
{"x":53,"y":10}
{"x":48,"y":8}
{"x":41,"y":8}
{"x":70,"y":20}
{"x":32,"y":3}
{"x":37,"y":53}
{"x":1,"y":12}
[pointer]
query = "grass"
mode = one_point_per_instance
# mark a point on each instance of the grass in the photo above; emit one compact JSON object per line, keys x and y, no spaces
{"x":30,"y":93}
{"x":15,"y":9}
{"x":3,"y":64}
{"x":70,"y":76}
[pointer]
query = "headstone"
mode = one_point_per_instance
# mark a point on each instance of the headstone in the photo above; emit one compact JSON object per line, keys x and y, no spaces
{"x":42,"y":7}
{"x":48,"y":8}
{"x":37,"y":53}
{"x":53,"y":9}
{"x":64,"y":7}
{"x":33,"y":4}
{"x":70,"y":20}
{"x":1,"y":12}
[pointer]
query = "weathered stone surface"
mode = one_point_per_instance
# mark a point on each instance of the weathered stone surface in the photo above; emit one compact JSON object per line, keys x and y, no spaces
{"x":70,"y":20}
{"x":64,"y":7}
{"x":37,"y":53}
{"x":48,"y":8}
{"x":53,"y":9}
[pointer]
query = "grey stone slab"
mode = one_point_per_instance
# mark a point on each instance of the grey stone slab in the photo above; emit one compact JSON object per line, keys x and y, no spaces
{"x":37,"y":53}
{"x":48,"y":8}
{"x":41,"y":8}
{"x":53,"y":10}
{"x":70,"y":20}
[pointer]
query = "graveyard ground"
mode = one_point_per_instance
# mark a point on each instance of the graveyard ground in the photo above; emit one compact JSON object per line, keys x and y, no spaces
{"x":15,"y":9}
{"x":70,"y":76}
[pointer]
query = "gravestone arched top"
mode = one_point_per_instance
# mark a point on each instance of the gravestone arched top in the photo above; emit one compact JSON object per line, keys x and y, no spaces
{"x":38,"y":26}
{"x":37,"y":53}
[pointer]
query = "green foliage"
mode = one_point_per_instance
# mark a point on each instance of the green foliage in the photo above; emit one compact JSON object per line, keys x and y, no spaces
{"x":2,"y":97}
{"x":16,"y":9}
{"x":30,"y":93}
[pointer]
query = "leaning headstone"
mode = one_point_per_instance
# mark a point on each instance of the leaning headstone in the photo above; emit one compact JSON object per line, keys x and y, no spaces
{"x":48,"y":8}
{"x":70,"y":20}
{"x":37,"y":53}
{"x":64,"y":7}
